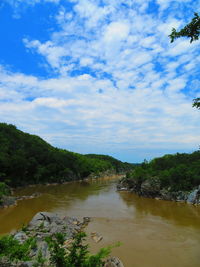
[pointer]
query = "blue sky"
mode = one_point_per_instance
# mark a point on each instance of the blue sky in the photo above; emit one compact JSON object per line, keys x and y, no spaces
{"x":101,"y":76}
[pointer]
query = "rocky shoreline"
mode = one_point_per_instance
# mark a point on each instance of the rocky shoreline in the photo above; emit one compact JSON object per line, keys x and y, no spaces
{"x":8,"y":201}
{"x":44,"y":225}
{"x":151,"y":188}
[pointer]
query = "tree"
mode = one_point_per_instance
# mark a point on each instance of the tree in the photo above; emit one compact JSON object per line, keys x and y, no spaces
{"x":196,"y":103}
{"x":191,"y":30}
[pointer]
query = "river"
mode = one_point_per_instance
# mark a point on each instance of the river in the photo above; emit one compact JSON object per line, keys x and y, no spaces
{"x":152,"y":233}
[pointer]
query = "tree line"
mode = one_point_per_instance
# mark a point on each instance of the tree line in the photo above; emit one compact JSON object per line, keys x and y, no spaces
{"x":178,"y":172}
{"x":28,"y":159}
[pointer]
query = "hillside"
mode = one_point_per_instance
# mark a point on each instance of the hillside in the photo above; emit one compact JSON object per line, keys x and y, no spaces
{"x":28,"y":159}
{"x":170,"y":177}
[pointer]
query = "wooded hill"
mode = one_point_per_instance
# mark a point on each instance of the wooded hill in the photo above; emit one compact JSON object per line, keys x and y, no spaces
{"x":28,"y":159}
{"x":176,"y":172}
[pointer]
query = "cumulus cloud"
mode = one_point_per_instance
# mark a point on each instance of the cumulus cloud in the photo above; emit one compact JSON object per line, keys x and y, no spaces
{"x":118,"y":82}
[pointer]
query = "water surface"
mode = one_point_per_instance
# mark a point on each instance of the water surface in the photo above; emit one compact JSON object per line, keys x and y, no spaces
{"x":153,"y":233}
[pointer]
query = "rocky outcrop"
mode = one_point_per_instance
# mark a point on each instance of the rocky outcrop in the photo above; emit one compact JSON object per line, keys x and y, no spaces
{"x":194,"y":196}
{"x":42,"y":225}
{"x":152,"y":188}
{"x":46,"y":224}
{"x":8,"y":201}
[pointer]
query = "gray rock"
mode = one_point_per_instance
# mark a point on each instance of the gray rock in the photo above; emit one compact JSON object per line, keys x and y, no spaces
{"x":43,"y":247}
{"x":41,"y":217}
{"x":21,"y":237}
{"x":113,"y":262}
{"x":150,"y":187}
{"x":194,"y":196}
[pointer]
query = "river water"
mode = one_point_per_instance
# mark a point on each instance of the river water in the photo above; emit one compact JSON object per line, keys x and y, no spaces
{"x":152,"y":233}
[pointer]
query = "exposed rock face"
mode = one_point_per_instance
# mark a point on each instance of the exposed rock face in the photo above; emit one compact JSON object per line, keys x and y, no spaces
{"x":194,"y":196}
{"x":42,"y":225}
{"x":152,"y":188}
{"x":45,"y":224}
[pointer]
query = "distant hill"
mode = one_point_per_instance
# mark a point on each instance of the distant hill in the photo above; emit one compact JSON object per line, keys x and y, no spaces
{"x":28,"y":159}
{"x":117,"y":164}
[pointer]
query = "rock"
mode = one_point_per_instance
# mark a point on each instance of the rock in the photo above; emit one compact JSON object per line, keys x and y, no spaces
{"x":7,"y":201}
{"x":21,"y":237}
{"x":151,"y":187}
{"x":42,"y":217}
{"x":113,"y":262}
{"x":25,"y":264}
{"x":128,"y":185}
{"x":4,"y":262}
{"x":194,"y":196}
{"x":96,"y":237}
{"x":43,"y":247}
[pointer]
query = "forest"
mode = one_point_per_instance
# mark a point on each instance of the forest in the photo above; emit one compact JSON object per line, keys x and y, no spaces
{"x":180,"y":171}
{"x":28,"y":159}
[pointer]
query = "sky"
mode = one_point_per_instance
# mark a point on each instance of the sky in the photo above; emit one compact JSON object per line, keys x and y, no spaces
{"x":101,"y":76}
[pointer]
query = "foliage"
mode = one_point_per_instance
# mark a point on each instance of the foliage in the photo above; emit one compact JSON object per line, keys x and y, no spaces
{"x":196,"y":103}
{"x":177,"y":172}
{"x":191,"y":30}
{"x":27,"y":159}
{"x":4,"y":190}
{"x":77,"y":255}
{"x":40,"y":260}
{"x":15,"y":251}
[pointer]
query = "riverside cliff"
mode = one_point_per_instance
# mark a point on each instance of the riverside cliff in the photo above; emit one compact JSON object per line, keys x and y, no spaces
{"x":172,"y":177}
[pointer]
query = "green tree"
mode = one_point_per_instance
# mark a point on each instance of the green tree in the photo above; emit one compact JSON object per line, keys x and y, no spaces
{"x":196,"y":103}
{"x":191,"y":30}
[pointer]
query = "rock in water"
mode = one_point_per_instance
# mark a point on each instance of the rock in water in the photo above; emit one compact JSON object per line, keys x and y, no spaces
{"x":113,"y":262}
{"x":96,"y":237}
{"x":194,"y":196}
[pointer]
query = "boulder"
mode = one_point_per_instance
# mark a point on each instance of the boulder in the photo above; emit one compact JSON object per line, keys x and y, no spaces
{"x":150,"y":187}
{"x":194,"y":196}
{"x":21,"y":237}
{"x":113,"y":262}
{"x":96,"y":237}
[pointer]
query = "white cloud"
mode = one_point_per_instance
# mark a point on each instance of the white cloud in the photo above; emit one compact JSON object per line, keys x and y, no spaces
{"x":118,"y":80}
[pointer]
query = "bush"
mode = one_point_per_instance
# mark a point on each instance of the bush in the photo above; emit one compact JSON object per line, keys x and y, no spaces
{"x":77,"y":255}
{"x":12,"y":249}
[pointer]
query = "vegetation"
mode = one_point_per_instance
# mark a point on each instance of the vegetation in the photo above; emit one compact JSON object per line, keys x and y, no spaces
{"x":28,"y":159}
{"x":177,"y":172}
{"x":191,"y":30}
{"x":4,"y":191}
{"x":14,"y":251}
{"x":77,"y":255}
{"x":196,"y":103}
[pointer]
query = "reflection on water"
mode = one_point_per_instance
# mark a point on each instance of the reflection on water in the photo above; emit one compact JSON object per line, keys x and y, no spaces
{"x":153,"y":233}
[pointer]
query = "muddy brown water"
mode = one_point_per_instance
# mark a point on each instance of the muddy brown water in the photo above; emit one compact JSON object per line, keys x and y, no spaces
{"x":152,"y":233}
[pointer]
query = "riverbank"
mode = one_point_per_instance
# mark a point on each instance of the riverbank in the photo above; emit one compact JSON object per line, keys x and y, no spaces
{"x":171,"y":228}
{"x":10,"y":200}
{"x":151,"y":188}
{"x":48,"y":240}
